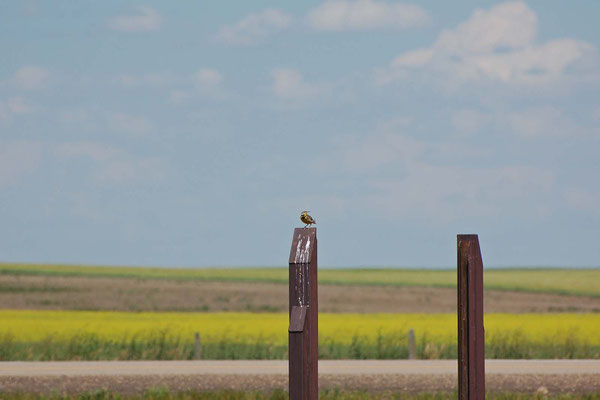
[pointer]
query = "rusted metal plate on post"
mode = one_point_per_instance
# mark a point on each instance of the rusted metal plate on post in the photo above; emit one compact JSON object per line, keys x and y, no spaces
{"x":471,"y":339}
{"x":297,"y":319}
{"x":303,"y":306}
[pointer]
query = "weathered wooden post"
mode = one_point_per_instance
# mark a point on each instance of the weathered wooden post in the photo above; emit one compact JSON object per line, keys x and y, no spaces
{"x":471,"y":342}
{"x":303,"y":330}
{"x":197,"y":346}
{"x":412,"y":347}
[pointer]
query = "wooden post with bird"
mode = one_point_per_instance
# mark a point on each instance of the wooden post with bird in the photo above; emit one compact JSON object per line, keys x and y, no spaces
{"x":471,"y":340}
{"x":303,"y":310}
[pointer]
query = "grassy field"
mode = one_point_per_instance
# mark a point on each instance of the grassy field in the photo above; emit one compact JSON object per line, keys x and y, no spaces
{"x":71,"y":335}
{"x":559,"y":281}
{"x":36,"y":292}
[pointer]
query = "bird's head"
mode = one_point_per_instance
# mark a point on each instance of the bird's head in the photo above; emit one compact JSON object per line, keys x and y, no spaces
{"x":304,"y":212}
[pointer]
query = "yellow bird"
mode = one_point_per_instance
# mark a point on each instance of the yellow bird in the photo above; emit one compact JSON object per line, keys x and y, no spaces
{"x":307,"y":219}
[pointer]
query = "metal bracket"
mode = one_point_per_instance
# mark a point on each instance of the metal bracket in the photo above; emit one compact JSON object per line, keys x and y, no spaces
{"x":297,"y":319}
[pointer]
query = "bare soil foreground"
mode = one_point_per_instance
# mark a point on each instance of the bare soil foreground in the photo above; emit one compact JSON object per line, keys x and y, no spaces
{"x":553,"y":376}
{"x":127,"y":294}
{"x":410,"y":384}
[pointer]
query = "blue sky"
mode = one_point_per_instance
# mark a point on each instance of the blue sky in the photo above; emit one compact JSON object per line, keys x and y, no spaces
{"x":194,"y":133}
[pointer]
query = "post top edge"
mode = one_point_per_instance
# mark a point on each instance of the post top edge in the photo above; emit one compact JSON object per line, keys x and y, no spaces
{"x":303,"y":245}
{"x":304,"y":232}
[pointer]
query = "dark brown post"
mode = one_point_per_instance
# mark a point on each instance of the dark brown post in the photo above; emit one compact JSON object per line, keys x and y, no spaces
{"x":412,"y":348}
{"x":303,"y":331}
{"x":471,"y":344}
{"x":197,"y":346}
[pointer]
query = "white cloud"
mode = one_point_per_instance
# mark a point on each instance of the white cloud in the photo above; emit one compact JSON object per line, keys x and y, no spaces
{"x":402,"y":174}
{"x":469,"y":121}
{"x":448,"y":192}
{"x":526,"y":123}
{"x":3,"y":112}
{"x":17,"y":105}
{"x":399,"y":121}
{"x":134,"y":125}
{"x":415,"y":58}
{"x":94,"y":151}
{"x":255,"y":27}
{"x":583,"y":200}
{"x":147,"y":19}
{"x":30,"y":77}
{"x":17,"y":159}
{"x":546,"y":121}
{"x":207,"y":80}
{"x":507,"y":26}
{"x":148,"y":79}
{"x":596,"y":113}
{"x":386,"y":152}
{"x":74,"y":115}
{"x":360,"y":155}
{"x":82,"y":204}
{"x":339,"y":15}
{"x":124,"y":170}
{"x":498,"y":45}
{"x":178,"y":96}
{"x":113,"y":165}
{"x":289,"y":84}
{"x":536,"y":122}
{"x":14,"y":106}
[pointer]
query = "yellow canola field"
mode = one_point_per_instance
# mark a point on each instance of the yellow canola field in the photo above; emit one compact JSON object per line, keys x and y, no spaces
{"x":30,"y":326}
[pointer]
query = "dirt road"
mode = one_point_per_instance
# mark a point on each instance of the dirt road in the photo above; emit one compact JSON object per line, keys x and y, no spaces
{"x":279,"y":367}
{"x":135,"y":377}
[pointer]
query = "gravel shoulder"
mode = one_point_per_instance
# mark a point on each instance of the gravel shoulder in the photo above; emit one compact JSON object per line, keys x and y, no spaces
{"x":529,"y":383}
{"x":555,"y":376}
